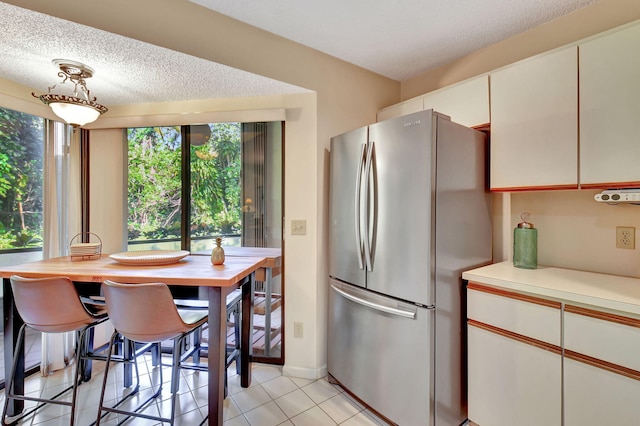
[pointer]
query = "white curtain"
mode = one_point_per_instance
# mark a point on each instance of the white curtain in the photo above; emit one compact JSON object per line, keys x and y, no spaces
{"x":61,"y":221}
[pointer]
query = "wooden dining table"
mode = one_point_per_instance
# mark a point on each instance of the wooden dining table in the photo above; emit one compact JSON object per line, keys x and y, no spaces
{"x":272,"y":267}
{"x":216,"y":281}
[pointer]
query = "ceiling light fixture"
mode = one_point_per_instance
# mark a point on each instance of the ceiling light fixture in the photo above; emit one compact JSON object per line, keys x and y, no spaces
{"x":199,"y":134}
{"x":78,"y":109}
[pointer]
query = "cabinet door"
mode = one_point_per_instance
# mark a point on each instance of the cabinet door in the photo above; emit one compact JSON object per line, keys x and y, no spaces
{"x":595,"y":396}
{"x":534,"y":123}
{"x":403,"y":108}
{"x":467,"y":103}
{"x":512,"y":382}
{"x":609,"y":110}
{"x":601,"y":368}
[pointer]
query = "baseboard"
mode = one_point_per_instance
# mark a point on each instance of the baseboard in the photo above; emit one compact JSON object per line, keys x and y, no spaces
{"x":304,"y":373}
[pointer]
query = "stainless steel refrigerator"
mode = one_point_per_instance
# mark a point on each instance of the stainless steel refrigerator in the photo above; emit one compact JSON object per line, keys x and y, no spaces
{"x":409,"y":211}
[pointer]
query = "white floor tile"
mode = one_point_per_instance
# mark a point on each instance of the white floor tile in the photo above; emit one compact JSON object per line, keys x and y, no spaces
{"x":295,"y":403}
{"x":263,"y":372}
{"x":301,"y":382}
{"x":268,"y":414}
{"x":237,"y":421}
{"x":320,"y":390}
{"x":279,"y":386}
{"x":340,"y":408}
{"x":250,"y":398}
{"x":313,"y":417}
{"x":272,"y":399}
{"x":363,"y":418}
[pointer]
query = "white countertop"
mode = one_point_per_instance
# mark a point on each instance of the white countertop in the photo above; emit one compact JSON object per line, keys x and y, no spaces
{"x":600,"y":290}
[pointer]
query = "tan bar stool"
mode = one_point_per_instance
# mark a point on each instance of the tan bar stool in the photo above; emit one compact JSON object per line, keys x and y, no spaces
{"x":146,"y":313}
{"x":50,"y":305}
{"x":199,"y":344}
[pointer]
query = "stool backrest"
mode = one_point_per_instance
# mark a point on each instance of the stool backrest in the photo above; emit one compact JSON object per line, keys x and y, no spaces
{"x":49,"y":304}
{"x":143,"y":312}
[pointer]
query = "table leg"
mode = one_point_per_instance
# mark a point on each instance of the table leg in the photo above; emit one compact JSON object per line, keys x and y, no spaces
{"x":85,"y":365}
{"x":246,"y":332}
{"x":267,"y":311}
{"x":217,"y":352}
{"x":12,"y":324}
{"x":128,"y":353}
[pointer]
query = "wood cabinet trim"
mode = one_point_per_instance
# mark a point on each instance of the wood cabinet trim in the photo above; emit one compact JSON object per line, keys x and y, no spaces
{"x":513,"y":295}
{"x":609,"y":185}
{"x":515,"y":336}
{"x":534,"y":188}
{"x":605,"y":365}
{"x":605,"y":316}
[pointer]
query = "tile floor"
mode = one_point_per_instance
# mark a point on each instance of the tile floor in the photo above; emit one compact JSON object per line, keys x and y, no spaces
{"x":32,"y":348}
{"x":272,"y":399}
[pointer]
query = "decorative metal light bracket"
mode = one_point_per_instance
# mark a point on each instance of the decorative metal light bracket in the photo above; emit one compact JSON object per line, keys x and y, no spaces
{"x":76,"y":73}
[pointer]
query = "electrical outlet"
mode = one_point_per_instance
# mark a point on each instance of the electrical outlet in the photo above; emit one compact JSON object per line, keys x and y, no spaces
{"x":626,"y":237}
{"x":298,"y":330}
{"x":298,"y":227}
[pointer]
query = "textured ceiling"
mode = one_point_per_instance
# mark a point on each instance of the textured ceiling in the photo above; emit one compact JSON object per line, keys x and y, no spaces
{"x":126,"y":71}
{"x":395,"y":38}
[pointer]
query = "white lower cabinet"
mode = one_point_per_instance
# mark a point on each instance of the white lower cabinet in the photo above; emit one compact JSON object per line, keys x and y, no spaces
{"x":594,"y":396}
{"x":512,"y":382}
{"x":601,"y":368}
{"x":514,"y":359}
{"x":535,"y":361}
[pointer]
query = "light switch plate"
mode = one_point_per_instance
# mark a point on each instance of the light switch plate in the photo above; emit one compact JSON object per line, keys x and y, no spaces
{"x":298,"y":227}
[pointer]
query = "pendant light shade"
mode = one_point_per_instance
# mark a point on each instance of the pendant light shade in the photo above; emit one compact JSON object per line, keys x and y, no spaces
{"x":78,"y":108}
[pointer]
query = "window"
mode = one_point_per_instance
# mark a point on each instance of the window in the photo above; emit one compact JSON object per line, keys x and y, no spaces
{"x":226,"y":183}
{"x":154,"y":187}
{"x":22,"y":138}
{"x":21,"y":183}
{"x":156,"y":192}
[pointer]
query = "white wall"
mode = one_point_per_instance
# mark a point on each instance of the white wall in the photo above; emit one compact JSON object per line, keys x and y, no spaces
{"x":108,"y":189}
{"x":576,"y":232}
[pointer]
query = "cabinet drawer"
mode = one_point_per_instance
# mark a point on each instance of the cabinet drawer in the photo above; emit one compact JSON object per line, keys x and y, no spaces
{"x":604,"y":336}
{"x":525,"y":315}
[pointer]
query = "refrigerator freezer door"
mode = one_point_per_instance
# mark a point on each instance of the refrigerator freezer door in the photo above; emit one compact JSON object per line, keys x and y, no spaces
{"x":401,"y":207}
{"x":346,"y":247}
{"x":381,"y":350}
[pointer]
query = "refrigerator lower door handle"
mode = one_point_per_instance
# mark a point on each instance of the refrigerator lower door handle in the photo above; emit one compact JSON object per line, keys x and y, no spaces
{"x":388,"y":309}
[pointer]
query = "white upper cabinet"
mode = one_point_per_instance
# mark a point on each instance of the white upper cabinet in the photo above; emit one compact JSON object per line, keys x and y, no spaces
{"x":534,"y":123}
{"x":610,"y":110}
{"x":403,"y":108}
{"x":467,"y":103}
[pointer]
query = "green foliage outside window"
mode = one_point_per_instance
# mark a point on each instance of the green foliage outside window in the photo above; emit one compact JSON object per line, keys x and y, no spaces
{"x":154,"y":193}
{"x":21,"y":179}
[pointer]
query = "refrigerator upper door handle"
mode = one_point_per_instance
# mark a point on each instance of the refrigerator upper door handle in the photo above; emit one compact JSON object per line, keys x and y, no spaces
{"x":357,"y":205}
{"x":366,"y":237}
{"x":388,"y":309}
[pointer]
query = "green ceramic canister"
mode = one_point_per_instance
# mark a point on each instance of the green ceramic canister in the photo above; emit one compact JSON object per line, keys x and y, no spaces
{"x":525,"y":244}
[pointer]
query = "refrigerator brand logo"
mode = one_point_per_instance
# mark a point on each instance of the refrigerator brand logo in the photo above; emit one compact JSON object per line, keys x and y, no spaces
{"x":412,"y":123}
